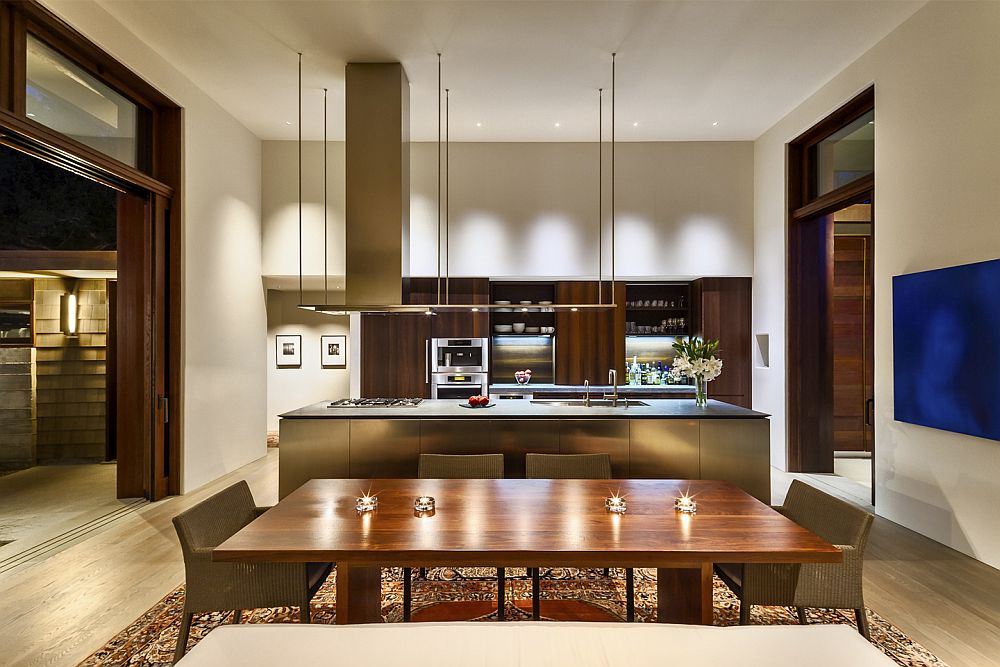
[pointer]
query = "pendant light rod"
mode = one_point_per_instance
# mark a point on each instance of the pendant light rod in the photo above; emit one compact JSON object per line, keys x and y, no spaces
{"x":439,"y":181}
{"x":326,"y":269}
{"x":613,"y":55}
{"x":447,"y":197}
{"x":300,"y":179}
{"x":600,"y":195}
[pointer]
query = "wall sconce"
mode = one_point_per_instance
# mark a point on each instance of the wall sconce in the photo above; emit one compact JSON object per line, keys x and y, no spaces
{"x":68,"y":315}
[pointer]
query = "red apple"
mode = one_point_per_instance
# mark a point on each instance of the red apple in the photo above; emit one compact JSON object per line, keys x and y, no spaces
{"x":484,"y":401}
{"x":473,"y":401}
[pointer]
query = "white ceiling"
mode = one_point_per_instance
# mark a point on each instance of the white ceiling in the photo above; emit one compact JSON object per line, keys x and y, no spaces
{"x":520,"y":67}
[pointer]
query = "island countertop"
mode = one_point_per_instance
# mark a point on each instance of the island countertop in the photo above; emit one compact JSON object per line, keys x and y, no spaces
{"x":524,"y":409}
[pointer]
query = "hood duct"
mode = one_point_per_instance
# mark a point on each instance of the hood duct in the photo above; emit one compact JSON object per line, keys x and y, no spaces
{"x":377,"y":184}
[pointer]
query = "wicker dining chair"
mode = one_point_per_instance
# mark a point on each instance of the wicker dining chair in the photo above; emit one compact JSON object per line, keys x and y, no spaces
{"x":456,"y":466}
{"x":573,"y":466}
{"x":217,"y":586}
{"x":819,"y":585}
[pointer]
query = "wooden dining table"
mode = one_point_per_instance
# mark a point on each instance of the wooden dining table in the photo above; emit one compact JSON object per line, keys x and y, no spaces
{"x":525,"y":523}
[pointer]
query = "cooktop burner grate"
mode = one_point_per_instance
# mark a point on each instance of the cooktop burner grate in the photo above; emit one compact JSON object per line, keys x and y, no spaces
{"x":376,"y":403}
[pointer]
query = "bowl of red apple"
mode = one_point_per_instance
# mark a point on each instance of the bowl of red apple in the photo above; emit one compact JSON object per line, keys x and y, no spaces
{"x":522,"y":377}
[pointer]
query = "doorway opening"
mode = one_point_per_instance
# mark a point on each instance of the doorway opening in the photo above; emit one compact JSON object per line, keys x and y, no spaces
{"x":67,"y":461}
{"x":831,"y":225}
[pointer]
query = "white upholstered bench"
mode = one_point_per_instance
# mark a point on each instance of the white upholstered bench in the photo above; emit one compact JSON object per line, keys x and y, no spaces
{"x":534,"y":644}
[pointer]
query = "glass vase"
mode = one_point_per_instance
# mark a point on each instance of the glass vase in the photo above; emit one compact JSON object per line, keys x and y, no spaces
{"x":700,"y":391}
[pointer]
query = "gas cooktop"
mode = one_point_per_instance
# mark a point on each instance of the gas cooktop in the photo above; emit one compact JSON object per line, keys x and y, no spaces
{"x":376,"y":403}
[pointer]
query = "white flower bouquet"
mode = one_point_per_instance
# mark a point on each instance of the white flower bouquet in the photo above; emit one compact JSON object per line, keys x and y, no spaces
{"x":696,"y":359}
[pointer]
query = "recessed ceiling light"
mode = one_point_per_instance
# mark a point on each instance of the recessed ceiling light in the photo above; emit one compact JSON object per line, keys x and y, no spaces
{"x":557,"y":124}
{"x":871,"y":122}
{"x":635,"y":124}
{"x":715,"y":123}
{"x":478,"y":124}
{"x":31,"y":115}
{"x":288,"y":122}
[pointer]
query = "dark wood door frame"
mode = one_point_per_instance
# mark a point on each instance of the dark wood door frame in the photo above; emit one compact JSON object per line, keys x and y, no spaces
{"x":157,"y":178}
{"x":809,"y":292}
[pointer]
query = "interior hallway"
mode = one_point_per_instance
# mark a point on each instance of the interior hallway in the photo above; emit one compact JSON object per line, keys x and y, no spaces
{"x":59,"y":609}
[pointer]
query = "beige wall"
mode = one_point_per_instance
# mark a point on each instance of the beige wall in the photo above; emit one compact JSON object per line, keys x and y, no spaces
{"x":937,"y":156}
{"x":224,"y":317}
{"x":290,"y":388}
{"x":530,"y":209}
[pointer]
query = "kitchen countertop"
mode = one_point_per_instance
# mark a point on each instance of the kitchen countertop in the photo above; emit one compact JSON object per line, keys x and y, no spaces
{"x":543,"y":388}
{"x":523,"y":409}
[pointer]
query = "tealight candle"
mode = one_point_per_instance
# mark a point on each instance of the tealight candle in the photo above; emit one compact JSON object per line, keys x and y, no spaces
{"x":686,"y":504}
{"x":615,"y":504}
{"x":424,"y":504}
{"x":366,"y":503}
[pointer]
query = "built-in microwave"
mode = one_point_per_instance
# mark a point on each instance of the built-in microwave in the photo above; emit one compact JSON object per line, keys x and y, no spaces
{"x":460,"y":355}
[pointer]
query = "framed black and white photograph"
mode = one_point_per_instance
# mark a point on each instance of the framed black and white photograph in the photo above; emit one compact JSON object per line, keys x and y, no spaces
{"x":288,"y":351}
{"x":333,"y":351}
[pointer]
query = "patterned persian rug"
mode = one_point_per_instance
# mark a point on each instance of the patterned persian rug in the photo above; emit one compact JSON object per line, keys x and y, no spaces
{"x":568,"y":594}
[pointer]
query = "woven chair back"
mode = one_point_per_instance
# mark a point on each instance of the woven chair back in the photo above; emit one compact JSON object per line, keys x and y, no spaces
{"x":214,"y":520}
{"x":568,"y":466}
{"x":833,"y":519}
{"x":460,"y":466}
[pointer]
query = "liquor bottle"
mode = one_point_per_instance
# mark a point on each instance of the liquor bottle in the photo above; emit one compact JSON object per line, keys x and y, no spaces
{"x":633,"y":372}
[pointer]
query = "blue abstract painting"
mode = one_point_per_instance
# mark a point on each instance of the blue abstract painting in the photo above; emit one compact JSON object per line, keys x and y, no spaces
{"x":946,"y":348}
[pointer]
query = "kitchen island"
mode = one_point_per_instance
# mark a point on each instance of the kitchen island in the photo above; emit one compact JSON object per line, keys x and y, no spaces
{"x":658,"y":439}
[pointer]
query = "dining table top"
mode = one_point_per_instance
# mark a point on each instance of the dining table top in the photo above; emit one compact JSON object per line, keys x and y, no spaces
{"x":523,"y":523}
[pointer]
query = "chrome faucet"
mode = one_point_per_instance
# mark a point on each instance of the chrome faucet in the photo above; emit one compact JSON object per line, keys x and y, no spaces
{"x":613,"y":381}
{"x":586,"y":395}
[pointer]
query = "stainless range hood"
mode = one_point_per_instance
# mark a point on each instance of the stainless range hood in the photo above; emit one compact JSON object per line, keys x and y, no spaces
{"x":378,"y":197}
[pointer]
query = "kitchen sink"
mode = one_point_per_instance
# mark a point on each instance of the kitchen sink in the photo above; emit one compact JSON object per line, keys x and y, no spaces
{"x":594,"y":402}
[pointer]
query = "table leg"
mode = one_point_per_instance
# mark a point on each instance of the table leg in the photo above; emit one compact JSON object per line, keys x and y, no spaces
{"x":359,"y":594}
{"x":684,"y":595}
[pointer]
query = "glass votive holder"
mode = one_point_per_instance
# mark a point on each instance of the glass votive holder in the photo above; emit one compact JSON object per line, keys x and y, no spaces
{"x":424,"y":504}
{"x":366,"y":503}
{"x":615,"y":504}
{"x":686,"y":504}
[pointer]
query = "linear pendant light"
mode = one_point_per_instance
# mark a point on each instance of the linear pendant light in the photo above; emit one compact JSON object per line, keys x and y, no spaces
{"x":446,"y":305}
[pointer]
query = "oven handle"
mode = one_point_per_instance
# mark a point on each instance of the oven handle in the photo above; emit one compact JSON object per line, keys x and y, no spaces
{"x":427,"y":361}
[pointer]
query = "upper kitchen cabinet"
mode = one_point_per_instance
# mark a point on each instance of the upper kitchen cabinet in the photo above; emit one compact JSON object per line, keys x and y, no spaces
{"x":454,"y":324}
{"x":589,"y":342}
{"x":720,"y":308}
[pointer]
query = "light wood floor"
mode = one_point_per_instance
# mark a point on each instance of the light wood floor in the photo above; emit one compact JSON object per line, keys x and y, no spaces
{"x":59,"y":610}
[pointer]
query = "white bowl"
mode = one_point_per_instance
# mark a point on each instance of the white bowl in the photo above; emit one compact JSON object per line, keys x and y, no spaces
{"x":502,"y":302}
{"x":545,"y":303}
{"x":518,"y":327}
{"x":524,"y":303}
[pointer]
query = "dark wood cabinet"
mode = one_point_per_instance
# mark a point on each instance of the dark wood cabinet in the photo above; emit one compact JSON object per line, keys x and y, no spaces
{"x":394,"y":349}
{"x":720,"y":309}
{"x":458,"y":323}
{"x":588,"y":342}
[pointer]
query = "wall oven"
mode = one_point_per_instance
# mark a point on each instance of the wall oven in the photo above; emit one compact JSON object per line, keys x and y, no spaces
{"x":458,"y":385}
{"x":459,"y":367}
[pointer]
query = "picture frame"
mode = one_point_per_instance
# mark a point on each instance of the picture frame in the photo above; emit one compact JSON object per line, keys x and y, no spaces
{"x":288,"y":350}
{"x":333,"y":351}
